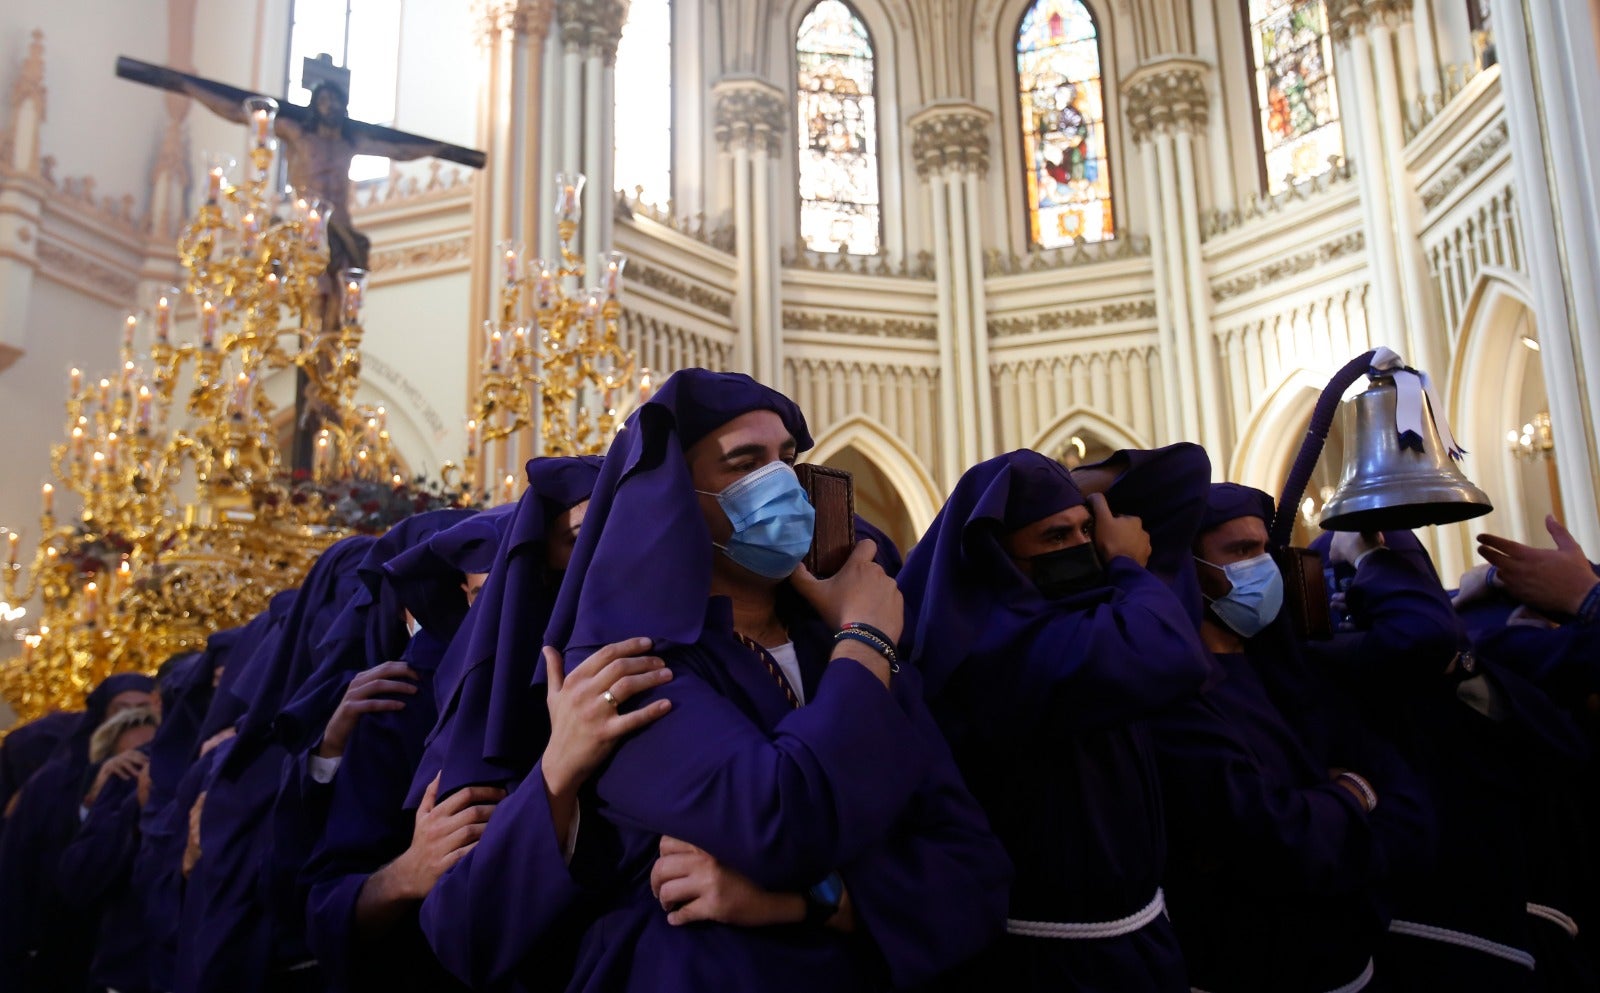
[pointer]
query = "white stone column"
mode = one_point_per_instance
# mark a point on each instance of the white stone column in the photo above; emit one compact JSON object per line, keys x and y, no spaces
{"x":988,"y":440}
{"x":1357,"y":95}
{"x":950,"y":144}
{"x":950,"y":463}
{"x":589,"y":32}
{"x":1425,"y":331}
{"x":530,"y":29}
{"x":1426,"y":53}
{"x":1168,"y":107}
{"x":1540,"y":47}
{"x":1212,"y":435}
{"x":543,"y":243}
{"x":750,"y":121}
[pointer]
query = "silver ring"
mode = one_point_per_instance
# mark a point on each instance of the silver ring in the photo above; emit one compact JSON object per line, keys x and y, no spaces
{"x":608,"y":698}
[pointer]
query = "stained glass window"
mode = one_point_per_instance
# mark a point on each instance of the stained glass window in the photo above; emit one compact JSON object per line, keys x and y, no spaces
{"x":1063,"y":124}
{"x":838,"y":132}
{"x":364,"y":37}
{"x":1296,"y":101}
{"x":643,"y":117}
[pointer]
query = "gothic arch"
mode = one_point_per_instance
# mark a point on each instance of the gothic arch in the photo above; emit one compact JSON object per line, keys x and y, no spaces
{"x":994,"y":44}
{"x":885,"y":21}
{"x":1483,"y":397}
{"x":1273,"y":432}
{"x":898,"y":464}
{"x":1080,"y":420}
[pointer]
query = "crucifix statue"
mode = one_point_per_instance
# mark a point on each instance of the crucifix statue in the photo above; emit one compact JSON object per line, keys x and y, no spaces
{"x":319,"y":140}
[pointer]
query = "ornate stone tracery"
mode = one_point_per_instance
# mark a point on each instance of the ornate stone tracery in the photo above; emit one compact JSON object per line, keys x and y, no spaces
{"x":1165,"y":97}
{"x":751,"y":114}
{"x":950,"y":137}
{"x":592,"y":25}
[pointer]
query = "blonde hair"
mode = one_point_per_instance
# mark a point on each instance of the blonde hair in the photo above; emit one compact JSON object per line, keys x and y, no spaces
{"x":104,"y":739}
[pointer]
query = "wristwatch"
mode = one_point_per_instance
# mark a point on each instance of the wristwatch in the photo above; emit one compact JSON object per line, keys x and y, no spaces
{"x":823,"y":899}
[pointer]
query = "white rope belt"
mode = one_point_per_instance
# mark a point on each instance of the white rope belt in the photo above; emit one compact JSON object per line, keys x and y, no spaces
{"x":1462,"y":940}
{"x":1104,"y":929}
{"x":1555,"y":917}
{"x":1355,"y":985}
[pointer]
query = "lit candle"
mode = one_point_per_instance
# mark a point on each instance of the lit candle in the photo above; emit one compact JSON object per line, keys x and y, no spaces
{"x":124,"y":573}
{"x":496,"y":346}
{"x":241,"y":396}
{"x":511,"y":264}
{"x":611,"y":279}
{"x":248,"y":229}
{"x":130,"y":376}
{"x":27,"y":649}
{"x":313,"y":225}
{"x":272,"y":284}
{"x":129,"y":326}
{"x":143,"y":418}
{"x":383,"y":418}
{"x":644,"y":386}
{"x":262,"y":123}
{"x":75,"y":380}
{"x":508,"y":488}
{"x":472,"y":438}
{"x":11,"y":546}
{"x":519,"y":344}
{"x":320,"y":465}
{"x":395,"y":479}
{"x":77,"y":444}
{"x":208,"y":324}
{"x":545,"y":293}
{"x":163,"y":318}
{"x":111,"y":450}
{"x":372,"y":432}
{"x":47,"y":497}
{"x":215,"y":189}
{"x":105,"y":395}
{"x":352,"y":302}
{"x":91,"y":602}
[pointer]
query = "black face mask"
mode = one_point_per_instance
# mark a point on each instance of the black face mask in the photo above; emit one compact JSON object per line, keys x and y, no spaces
{"x":1067,"y":572}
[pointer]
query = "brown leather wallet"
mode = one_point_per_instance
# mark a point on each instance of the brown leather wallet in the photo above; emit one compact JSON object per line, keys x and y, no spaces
{"x":833,"y":495}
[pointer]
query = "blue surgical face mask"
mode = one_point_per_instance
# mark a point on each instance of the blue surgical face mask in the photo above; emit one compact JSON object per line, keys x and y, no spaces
{"x":1256,"y":597}
{"x":772,"y":520}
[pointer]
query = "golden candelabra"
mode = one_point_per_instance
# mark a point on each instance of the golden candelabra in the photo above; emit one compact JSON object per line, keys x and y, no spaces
{"x":551,"y":357}
{"x":188,"y":524}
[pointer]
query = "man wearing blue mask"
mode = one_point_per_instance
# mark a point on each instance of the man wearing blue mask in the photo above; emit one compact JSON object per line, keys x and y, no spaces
{"x":1280,"y":854}
{"x":794,"y":821}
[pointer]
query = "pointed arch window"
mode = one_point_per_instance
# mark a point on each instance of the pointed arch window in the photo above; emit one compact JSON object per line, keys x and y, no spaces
{"x":642,"y":148}
{"x":1063,"y":124}
{"x":1297,"y":105}
{"x":838,"y":132}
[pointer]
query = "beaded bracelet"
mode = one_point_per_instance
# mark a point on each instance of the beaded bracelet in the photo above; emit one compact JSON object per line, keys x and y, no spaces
{"x":880,"y":645}
{"x":869,"y":629}
{"x":1368,"y":794}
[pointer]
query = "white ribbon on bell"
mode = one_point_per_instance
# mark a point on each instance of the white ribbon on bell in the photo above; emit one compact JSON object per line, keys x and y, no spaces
{"x":1410,"y":386}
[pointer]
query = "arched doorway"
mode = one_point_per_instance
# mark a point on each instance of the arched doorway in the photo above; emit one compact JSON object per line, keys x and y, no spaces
{"x":1499,"y":410}
{"x":876,"y":498}
{"x":893,"y":490}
